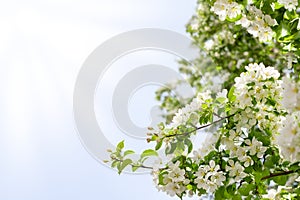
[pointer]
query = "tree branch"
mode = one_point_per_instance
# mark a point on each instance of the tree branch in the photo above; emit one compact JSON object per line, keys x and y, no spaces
{"x":278,"y":174}
{"x":201,"y":127}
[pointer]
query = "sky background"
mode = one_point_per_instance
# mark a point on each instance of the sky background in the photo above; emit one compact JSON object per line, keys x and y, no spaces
{"x":42,"y":47}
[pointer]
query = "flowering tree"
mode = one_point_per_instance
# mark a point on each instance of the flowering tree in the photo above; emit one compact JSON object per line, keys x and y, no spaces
{"x":247,"y":98}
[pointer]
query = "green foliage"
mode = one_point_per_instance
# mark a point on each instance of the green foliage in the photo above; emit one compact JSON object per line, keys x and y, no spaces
{"x":148,"y":152}
{"x":128,"y":152}
{"x":120,"y":146}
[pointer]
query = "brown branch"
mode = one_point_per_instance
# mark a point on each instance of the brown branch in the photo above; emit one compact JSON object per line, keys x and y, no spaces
{"x":201,"y":127}
{"x":278,"y":174}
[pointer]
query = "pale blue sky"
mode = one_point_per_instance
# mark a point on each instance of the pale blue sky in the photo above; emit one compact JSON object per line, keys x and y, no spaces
{"x":43,"y":45}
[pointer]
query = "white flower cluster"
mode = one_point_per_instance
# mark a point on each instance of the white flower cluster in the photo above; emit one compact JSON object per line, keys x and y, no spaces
{"x":258,"y":95}
{"x":218,"y":40}
{"x":194,"y":24}
{"x":242,"y":148}
{"x":174,"y":181}
{"x":289,"y":4}
{"x":291,"y":95}
{"x":273,"y":194}
{"x":184,"y":114}
{"x":209,"y":177}
{"x":288,"y":139}
{"x":198,"y":20}
{"x":258,"y":24}
{"x":255,"y":147}
{"x":236,"y":170}
{"x":226,"y":8}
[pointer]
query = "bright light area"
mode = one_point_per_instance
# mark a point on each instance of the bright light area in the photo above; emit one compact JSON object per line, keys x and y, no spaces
{"x":43,"y":45}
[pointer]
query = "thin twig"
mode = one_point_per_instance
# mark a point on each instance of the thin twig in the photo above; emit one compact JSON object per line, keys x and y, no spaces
{"x":217,"y":115}
{"x":133,"y":165}
{"x":201,"y":127}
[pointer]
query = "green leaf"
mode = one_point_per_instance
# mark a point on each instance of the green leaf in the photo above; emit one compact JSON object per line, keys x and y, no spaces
{"x":119,"y":167}
{"x":124,"y":164}
{"x":148,"y":152}
{"x":295,"y":166}
{"x":231,"y":189}
{"x":230,"y":95}
{"x":262,"y":137}
{"x":170,"y":150}
{"x":267,"y":7}
{"x":120,"y":146}
{"x":114,"y":164}
{"x":210,"y":156}
{"x":161,"y":177}
{"x":221,"y":99}
{"x":280,"y":180}
{"x":277,"y":5}
{"x":269,"y":162}
{"x":134,"y":168}
{"x":262,"y":188}
{"x":245,"y":189}
{"x":289,"y":15}
{"x":158,"y":145}
{"x":220,"y":193}
{"x":283,"y":31}
{"x":128,"y":152}
{"x":189,"y":187}
{"x":180,"y":147}
{"x":237,"y":197}
{"x":189,"y":144}
{"x":234,"y":19}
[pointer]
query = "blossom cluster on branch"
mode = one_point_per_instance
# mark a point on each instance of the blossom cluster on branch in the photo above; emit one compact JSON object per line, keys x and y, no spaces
{"x":247,"y":103}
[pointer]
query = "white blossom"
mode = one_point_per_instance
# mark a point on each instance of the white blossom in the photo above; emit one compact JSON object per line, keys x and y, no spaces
{"x":288,"y":139}
{"x":236,"y":170}
{"x":272,"y":193}
{"x":244,"y":22}
{"x":218,"y":178}
{"x":243,"y":157}
{"x":209,"y":177}
{"x":255,"y":147}
{"x":258,"y":24}
{"x":291,"y":95}
{"x":183,"y":114}
{"x":212,"y":167}
{"x":177,"y":175}
{"x":225,"y":8}
{"x":289,"y":4}
{"x":209,"y":44}
{"x":172,"y":189}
